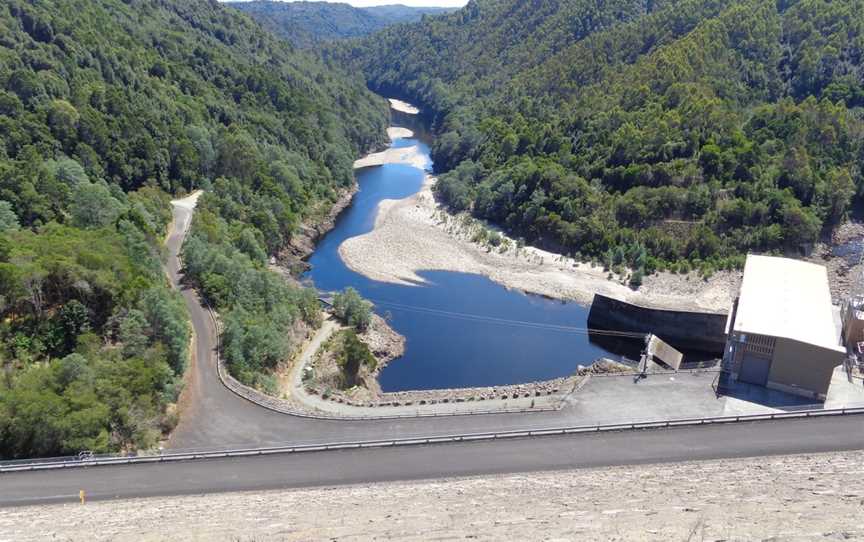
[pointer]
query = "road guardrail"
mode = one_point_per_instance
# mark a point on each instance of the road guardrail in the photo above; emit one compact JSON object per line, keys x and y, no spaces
{"x":96,"y":461}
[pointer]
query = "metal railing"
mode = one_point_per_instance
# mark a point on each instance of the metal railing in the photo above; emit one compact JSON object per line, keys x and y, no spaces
{"x":75,"y":462}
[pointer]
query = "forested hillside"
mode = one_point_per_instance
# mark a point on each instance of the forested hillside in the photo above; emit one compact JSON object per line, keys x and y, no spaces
{"x":107,"y":108}
{"x":663,"y":134}
{"x":307,"y":24}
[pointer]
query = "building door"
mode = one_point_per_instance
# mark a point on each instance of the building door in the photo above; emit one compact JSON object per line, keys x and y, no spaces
{"x":754,"y":369}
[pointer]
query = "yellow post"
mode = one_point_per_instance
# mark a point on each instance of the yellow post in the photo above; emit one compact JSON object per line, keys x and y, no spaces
{"x":81,"y":496}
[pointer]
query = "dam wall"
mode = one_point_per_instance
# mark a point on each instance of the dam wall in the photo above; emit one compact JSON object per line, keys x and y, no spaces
{"x":689,"y":330}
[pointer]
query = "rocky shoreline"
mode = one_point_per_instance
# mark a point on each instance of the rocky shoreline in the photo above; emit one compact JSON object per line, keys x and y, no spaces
{"x":842,"y":256}
{"x":302,"y":244}
{"x":292,"y":261}
{"x":372,"y":396}
{"x":323,"y":375}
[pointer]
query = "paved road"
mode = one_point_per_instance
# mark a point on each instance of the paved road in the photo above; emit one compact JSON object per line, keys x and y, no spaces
{"x":214,"y":417}
{"x":436,"y":461}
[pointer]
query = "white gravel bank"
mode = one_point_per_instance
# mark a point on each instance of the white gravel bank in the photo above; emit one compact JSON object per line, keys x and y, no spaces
{"x":402,"y":155}
{"x":416,"y":234}
{"x":403,"y":107}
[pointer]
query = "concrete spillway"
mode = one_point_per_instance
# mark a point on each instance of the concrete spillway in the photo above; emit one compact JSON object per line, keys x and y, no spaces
{"x":687,"y":330}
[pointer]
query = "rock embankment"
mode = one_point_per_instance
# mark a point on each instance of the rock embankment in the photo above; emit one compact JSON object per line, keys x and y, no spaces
{"x":292,"y":258}
{"x":543,"y":394}
{"x":842,"y":256}
{"x":383,"y":341}
{"x":323,"y":376}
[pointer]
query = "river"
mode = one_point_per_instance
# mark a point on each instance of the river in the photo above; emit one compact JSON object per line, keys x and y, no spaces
{"x":461,"y":330}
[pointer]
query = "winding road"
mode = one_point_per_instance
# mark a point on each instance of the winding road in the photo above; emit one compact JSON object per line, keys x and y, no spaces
{"x":213,"y":417}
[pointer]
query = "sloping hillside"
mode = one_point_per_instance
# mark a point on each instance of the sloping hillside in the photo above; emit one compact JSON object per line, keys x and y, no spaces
{"x":664,"y":134}
{"x":106,"y":108}
{"x":307,"y":24}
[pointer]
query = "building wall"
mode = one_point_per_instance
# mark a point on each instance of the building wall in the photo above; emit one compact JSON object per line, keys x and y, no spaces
{"x":854,"y":331}
{"x":802,"y":368}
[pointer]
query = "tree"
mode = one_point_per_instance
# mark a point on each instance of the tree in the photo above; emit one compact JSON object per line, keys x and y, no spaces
{"x":248,"y":244}
{"x":836,"y":194}
{"x":63,"y":119}
{"x":132,"y":333}
{"x":353,"y":355}
{"x":93,"y":206}
{"x":8,"y":218}
{"x":352,"y":309}
{"x":67,"y":171}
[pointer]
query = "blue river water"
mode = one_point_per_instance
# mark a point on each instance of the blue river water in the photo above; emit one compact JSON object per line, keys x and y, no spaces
{"x":461,"y":330}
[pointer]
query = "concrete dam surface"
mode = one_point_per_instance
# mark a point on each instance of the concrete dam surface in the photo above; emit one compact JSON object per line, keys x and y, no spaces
{"x":692,"y":332}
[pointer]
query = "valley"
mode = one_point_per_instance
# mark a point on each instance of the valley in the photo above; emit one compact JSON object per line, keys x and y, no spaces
{"x":448,"y":260}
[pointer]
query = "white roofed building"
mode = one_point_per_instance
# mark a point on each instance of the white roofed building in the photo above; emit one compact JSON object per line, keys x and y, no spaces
{"x":781,"y":330}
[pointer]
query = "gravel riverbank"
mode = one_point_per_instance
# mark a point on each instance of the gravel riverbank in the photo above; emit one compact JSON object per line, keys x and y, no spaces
{"x":403,"y":107}
{"x":416,"y":234}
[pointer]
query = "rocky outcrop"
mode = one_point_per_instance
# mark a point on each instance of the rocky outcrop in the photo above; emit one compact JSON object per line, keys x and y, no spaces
{"x":302,"y":243}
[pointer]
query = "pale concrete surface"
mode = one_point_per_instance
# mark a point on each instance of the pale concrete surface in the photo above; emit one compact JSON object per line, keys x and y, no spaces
{"x":620,"y":399}
{"x":624,"y":399}
{"x":790,"y":498}
{"x":843,"y":392}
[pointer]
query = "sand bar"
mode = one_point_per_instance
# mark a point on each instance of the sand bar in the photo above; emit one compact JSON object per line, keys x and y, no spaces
{"x":411,"y":156}
{"x":397,"y":132}
{"x":403,"y":107}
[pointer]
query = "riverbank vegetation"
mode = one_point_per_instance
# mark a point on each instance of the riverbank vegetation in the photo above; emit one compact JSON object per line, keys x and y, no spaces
{"x":673,"y":134}
{"x":344,"y":362}
{"x":352,"y":309}
{"x":106,"y":108}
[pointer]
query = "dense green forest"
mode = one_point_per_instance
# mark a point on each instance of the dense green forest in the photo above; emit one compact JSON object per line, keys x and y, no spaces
{"x":661,"y":134}
{"x":107,"y":108}
{"x":307,"y":24}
